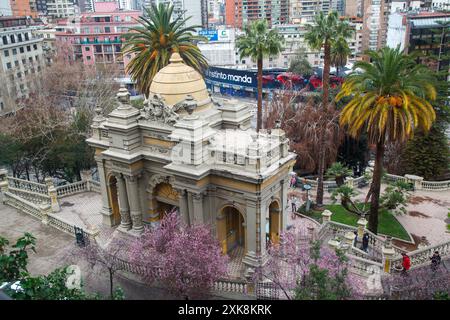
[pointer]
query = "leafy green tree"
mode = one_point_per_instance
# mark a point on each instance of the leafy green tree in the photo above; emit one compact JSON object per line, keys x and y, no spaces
{"x":159,"y":35}
{"x":390,"y":99}
{"x":321,"y":35}
{"x":259,"y":42}
{"x":13,"y":261}
{"x":300,"y":64}
{"x":427,"y":154}
{"x":338,"y":172}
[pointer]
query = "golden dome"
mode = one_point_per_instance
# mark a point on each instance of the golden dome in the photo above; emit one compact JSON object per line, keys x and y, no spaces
{"x":177,"y":80}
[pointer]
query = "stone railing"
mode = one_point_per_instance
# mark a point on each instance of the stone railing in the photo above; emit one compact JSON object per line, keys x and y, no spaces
{"x":394,"y":178}
{"x":22,"y":205}
{"x":31,"y":196}
{"x":72,"y":188}
{"x":362,"y":266}
{"x":422,"y":256}
{"x":26,"y":185}
{"x":435,"y":185}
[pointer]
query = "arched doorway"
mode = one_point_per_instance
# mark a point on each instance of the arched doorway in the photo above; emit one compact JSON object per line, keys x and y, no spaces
{"x":231,"y":230}
{"x":273,"y":225}
{"x":165,"y":199}
{"x":113,"y":199}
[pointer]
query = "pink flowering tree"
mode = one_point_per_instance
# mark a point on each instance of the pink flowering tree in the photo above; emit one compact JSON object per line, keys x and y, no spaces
{"x":187,"y":260}
{"x":303,"y":269}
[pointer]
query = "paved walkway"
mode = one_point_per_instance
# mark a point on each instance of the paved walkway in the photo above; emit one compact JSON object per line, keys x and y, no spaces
{"x":53,"y":248}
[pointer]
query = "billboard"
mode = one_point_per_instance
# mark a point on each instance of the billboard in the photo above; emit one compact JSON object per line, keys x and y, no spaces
{"x":232,"y":77}
{"x":215,"y":35}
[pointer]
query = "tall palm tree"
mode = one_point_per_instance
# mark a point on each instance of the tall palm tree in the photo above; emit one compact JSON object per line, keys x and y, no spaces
{"x":321,"y":34}
{"x":389,"y":100}
{"x":153,"y":42}
{"x":339,"y":53}
{"x":259,"y":42}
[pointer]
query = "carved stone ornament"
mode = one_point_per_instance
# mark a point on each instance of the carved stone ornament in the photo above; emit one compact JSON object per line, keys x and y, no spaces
{"x":189,"y":104}
{"x":155,"y":109}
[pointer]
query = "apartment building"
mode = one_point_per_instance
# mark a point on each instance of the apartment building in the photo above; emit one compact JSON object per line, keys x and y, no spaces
{"x":239,"y":13}
{"x":96,"y":37}
{"x":21,"y":56}
{"x":60,"y":8}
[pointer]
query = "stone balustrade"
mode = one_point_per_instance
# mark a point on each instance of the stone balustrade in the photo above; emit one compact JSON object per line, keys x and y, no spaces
{"x":422,"y":256}
{"x":72,"y":188}
{"x":362,"y":266}
{"x":27,"y":185}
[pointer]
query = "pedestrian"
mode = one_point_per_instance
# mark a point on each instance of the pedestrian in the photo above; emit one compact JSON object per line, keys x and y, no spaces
{"x":365,"y":242}
{"x":293,"y":181}
{"x":294,"y":204}
{"x":406,"y":263}
{"x":356,"y":238}
{"x":435,"y":261}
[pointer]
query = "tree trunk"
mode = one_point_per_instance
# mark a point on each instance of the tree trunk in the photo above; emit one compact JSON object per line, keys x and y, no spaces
{"x":325,"y":84}
{"x":376,"y":185}
{"x":259,"y":110}
{"x":111,"y":287}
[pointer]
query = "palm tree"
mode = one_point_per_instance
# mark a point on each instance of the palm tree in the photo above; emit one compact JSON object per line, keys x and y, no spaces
{"x":259,"y":42}
{"x":153,"y":42}
{"x":339,"y":53}
{"x":388,"y":101}
{"x":321,"y":34}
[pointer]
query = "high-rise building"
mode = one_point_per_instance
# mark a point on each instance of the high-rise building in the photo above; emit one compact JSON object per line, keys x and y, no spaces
{"x":195,"y":9}
{"x":41,"y":7}
{"x":352,"y":8}
{"x":303,"y":11}
{"x":241,"y":12}
{"x":96,"y":38}
{"x":375,"y":17}
{"x":21,"y":56}
{"x":60,"y":8}
{"x":24,"y":8}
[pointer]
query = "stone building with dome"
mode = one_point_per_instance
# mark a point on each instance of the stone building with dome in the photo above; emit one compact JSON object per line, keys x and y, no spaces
{"x":186,"y":151}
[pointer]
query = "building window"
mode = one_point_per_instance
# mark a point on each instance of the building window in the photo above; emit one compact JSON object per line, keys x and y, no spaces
{"x":5,"y":39}
{"x":13,"y":40}
{"x":16,"y":63}
{"x":6,"y":53}
{"x":35,"y":46}
{"x":19,"y":36}
{"x":28,"y":48}
{"x":117,"y":18}
{"x":26,"y":37}
{"x":14,"y":51}
{"x":30,"y":59}
{"x":107,"y":29}
{"x":22,"y":50}
{"x":88,"y":58}
{"x":87,"y":49}
{"x":24,"y":61}
{"x":8,"y":65}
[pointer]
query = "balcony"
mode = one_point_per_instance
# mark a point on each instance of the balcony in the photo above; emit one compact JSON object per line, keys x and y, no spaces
{"x":100,"y":41}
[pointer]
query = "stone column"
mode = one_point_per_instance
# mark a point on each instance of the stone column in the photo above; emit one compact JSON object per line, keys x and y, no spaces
{"x":415,"y":180}
{"x":190,"y":207}
{"x":388,"y":254}
{"x":251,"y":259}
{"x":349,"y":238}
{"x":53,"y":194}
{"x":133,"y":201}
{"x":106,"y":210}
{"x":197,"y":199}
{"x":284,"y":205}
{"x":86,"y":176}
{"x":184,"y":210}
{"x":125,"y":219}
{"x":3,"y":184}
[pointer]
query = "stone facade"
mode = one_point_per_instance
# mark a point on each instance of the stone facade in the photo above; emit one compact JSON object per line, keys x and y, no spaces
{"x":184,"y":150}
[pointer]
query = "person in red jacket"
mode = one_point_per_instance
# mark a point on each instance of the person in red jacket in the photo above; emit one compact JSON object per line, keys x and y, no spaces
{"x":406,"y":263}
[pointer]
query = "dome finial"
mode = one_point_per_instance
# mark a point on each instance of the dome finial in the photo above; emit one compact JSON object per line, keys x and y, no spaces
{"x":175,"y":58}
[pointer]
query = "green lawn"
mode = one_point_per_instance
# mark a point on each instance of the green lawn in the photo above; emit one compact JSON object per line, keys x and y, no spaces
{"x":387,"y":223}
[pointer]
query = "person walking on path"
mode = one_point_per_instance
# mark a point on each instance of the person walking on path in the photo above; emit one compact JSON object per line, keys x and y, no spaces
{"x":435,"y":261}
{"x":294,"y":204}
{"x":293,"y":182}
{"x":406,"y":264}
{"x":365,"y":242}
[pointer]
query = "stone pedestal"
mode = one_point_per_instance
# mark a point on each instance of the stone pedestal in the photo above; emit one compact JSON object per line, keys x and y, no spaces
{"x":334,"y":244}
{"x":388,"y":254}
{"x":362,"y":223}
{"x":53,"y":194}
{"x":415,"y":180}
{"x":45,"y":209}
{"x":349,"y":238}
{"x":326,"y":216}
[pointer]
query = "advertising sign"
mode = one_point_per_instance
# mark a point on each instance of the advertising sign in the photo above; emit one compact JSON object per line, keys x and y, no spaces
{"x":232,"y":77}
{"x":211,"y":35}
